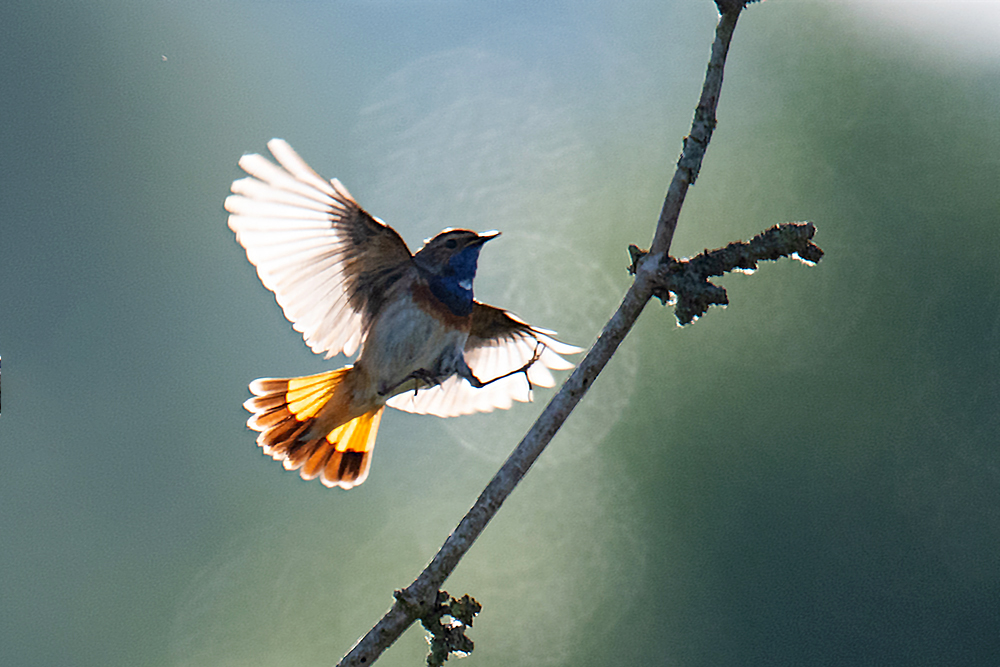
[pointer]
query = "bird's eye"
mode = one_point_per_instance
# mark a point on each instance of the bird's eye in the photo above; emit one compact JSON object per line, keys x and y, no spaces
{"x":450,"y":243}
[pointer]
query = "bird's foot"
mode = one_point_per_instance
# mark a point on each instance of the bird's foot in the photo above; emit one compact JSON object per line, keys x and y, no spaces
{"x":421,"y":375}
{"x":539,"y":348}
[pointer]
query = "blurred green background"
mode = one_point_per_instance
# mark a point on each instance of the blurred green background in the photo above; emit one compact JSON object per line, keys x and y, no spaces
{"x":810,"y":476}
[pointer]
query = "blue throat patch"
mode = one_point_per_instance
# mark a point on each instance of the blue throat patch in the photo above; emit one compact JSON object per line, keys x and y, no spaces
{"x":454,"y":287}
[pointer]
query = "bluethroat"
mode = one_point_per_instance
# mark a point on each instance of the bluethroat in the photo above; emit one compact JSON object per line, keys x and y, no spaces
{"x":348,"y":283}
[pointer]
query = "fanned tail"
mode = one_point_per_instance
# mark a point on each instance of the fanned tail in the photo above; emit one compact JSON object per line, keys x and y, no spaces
{"x":309,"y":424}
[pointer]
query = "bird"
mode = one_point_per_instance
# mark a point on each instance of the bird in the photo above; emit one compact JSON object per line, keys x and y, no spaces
{"x":349,"y":284}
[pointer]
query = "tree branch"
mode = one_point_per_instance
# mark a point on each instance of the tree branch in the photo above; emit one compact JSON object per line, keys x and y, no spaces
{"x":420,"y":598}
{"x":685,"y":285}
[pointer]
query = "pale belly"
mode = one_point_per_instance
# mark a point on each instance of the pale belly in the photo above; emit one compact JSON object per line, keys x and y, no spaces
{"x":405,"y":339}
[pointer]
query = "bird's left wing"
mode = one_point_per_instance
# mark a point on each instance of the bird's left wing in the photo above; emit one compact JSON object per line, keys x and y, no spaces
{"x":327,"y":261}
{"x":498,"y":343}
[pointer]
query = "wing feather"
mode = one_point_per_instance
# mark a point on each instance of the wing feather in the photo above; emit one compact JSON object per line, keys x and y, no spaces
{"x":499,"y":342}
{"x":324,"y":257}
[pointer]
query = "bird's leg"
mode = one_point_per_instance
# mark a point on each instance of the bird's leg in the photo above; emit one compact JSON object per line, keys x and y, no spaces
{"x":421,"y":375}
{"x":479,"y":384}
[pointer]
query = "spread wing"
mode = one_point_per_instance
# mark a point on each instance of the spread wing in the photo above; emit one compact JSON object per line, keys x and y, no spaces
{"x":327,"y":261}
{"x":498,"y":343}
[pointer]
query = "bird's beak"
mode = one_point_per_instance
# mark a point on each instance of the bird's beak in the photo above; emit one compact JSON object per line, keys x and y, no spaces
{"x":486,"y":236}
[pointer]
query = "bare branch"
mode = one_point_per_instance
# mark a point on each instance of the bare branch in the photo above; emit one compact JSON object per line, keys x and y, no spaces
{"x":685,"y":284}
{"x":696,"y":143}
{"x":420,"y":599}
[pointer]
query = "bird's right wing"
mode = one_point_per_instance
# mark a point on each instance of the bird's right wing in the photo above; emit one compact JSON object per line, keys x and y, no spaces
{"x":498,"y":343}
{"x":328,"y":262}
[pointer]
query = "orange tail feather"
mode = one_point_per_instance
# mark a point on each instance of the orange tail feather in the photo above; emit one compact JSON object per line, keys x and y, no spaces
{"x":310,"y":423}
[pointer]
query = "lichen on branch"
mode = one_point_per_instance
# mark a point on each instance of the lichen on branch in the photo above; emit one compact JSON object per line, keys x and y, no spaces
{"x":447,"y":623}
{"x":684,"y":283}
